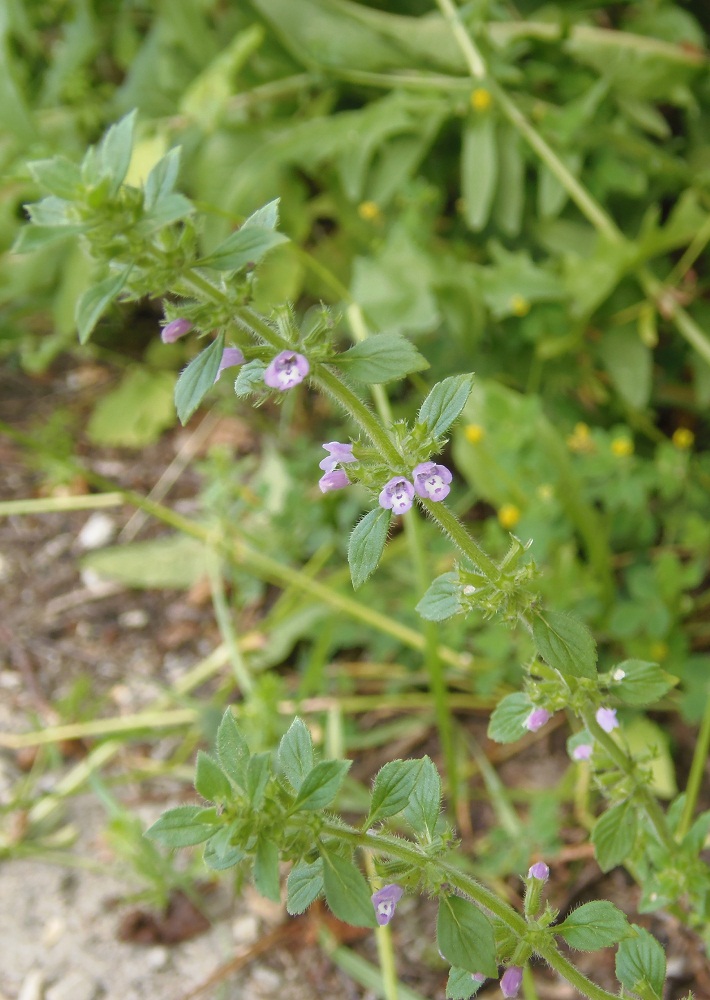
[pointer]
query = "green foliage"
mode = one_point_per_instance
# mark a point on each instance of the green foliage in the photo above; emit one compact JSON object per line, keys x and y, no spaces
{"x":465,"y":936}
{"x":197,"y":379}
{"x":367,"y":542}
{"x":594,"y":925}
{"x":614,"y":835}
{"x":565,"y":643}
{"x":641,"y":965}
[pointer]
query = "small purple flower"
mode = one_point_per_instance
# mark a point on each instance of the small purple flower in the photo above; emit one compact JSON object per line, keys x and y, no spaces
{"x":335,"y":480}
{"x":537,"y":719}
{"x":606,"y":717}
{"x":340,"y":454}
{"x":231,"y":357}
{"x":286,"y":370}
{"x":397,"y":495}
{"x":511,"y":980}
{"x":174,"y":330}
{"x":539,"y":871}
{"x":431,"y":481}
{"x":385,"y":900}
{"x":583,"y":751}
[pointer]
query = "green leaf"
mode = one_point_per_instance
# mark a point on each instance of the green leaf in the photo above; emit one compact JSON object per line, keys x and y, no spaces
{"x":422,"y":810}
{"x":367,"y":542}
{"x":305,"y":884}
{"x":170,"y":561}
{"x":266,"y":869}
{"x":641,"y":683}
{"x":460,"y":985}
{"x":169,"y":209}
{"x":444,"y":403}
{"x":465,"y":936}
{"x":210,"y":780}
{"x":507,"y":723}
{"x":321,"y":785}
{"x":249,"y":377}
{"x":95,"y":301}
{"x":346,"y":891}
{"x":565,"y":643}
{"x":266,"y":217}
{"x":382,"y":358}
{"x":641,"y":965}
{"x":614,"y":835}
{"x":33,"y":237}
{"x":394,"y":784}
{"x":136,"y":412}
{"x":246,"y":246}
{"x":258,"y":774}
{"x":630,"y":364}
{"x":296,"y":753}
{"x":220,"y":854}
{"x":181,"y":827}
{"x":479,"y":170}
{"x":510,"y":189}
{"x":594,"y":925}
{"x":232,"y":749}
{"x":161,"y":179}
{"x":52,"y":211}
{"x":441,"y":600}
{"x":197,"y":379}
{"x":115,"y":149}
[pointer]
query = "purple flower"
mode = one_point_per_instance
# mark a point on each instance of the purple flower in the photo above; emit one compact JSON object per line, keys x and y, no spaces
{"x":174,"y":330}
{"x":511,"y":980}
{"x":583,"y":751}
{"x":340,"y":454}
{"x":231,"y":357}
{"x":537,"y":719}
{"x":431,"y":481}
{"x":286,"y":370}
{"x":397,"y":495}
{"x":385,"y":900}
{"x":606,"y":717}
{"x":539,"y":871}
{"x":335,"y":480}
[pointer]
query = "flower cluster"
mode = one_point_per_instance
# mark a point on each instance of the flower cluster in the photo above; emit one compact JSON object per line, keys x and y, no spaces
{"x":431,"y":482}
{"x":333,"y":477}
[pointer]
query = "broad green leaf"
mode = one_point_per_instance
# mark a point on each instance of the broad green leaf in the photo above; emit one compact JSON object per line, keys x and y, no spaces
{"x":160,"y":182}
{"x":565,"y":643}
{"x":249,"y":377}
{"x":479,"y":170}
{"x":232,"y":749}
{"x":33,"y":237}
{"x":172,"y":561}
{"x":650,"y":742}
{"x":629,"y":362}
{"x":169,"y":209}
{"x":258,"y":774}
{"x":266,"y":217}
{"x":320,"y":786}
{"x":210,"y":780}
{"x":444,"y":403}
{"x":614,"y":835}
{"x":382,"y":358}
{"x":182,"y":827}
{"x":51,"y":211}
{"x":266,"y":869}
{"x":136,"y":412}
{"x":460,"y":985}
{"x":394,"y":784}
{"x":346,"y":891}
{"x":641,"y":965}
{"x":220,"y":854}
{"x":641,"y":683}
{"x":507,"y":723}
{"x":441,"y":600}
{"x":305,"y":884}
{"x":246,"y":246}
{"x":95,"y":301}
{"x":510,"y":189}
{"x":465,"y":936}
{"x":598,"y":924}
{"x":197,"y":379}
{"x":422,"y":810}
{"x":296,"y":753}
{"x":367,"y":542}
{"x":115,"y":150}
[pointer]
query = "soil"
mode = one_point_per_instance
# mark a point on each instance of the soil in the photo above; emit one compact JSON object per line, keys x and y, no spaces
{"x":70,"y":926}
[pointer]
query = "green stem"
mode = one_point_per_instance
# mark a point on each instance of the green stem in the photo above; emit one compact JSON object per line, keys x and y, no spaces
{"x":474,"y":60}
{"x":451,"y":526}
{"x":360,"y":413}
{"x":697,"y":773}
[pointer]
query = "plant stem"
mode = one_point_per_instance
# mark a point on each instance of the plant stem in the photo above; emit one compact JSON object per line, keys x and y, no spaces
{"x":470,"y":51}
{"x":697,"y":772}
{"x":360,"y":413}
{"x":451,"y":526}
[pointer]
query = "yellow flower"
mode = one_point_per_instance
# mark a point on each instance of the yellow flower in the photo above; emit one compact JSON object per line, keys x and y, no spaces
{"x":580,"y":439}
{"x":683,"y":438}
{"x":481,"y":99}
{"x":369,"y":210}
{"x":545,"y":492}
{"x":474,"y":433}
{"x":658,"y":650}
{"x":622,"y":447}
{"x":519,"y":305}
{"x":508,"y":516}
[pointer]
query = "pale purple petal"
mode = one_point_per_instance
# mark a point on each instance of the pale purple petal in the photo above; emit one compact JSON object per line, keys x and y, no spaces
{"x":385,"y":901}
{"x":340,"y":454}
{"x":335,"y":480}
{"x":537,"y":719}
{"x":174,"y":330}
{"x":431,"y":481}
{"x":478,"y":977}
{"x":583,"y":751}
{"x":397,"y":495}
{"x":539,"y":871}
{"x":606,"y":717}
{"x":511,"y":981}
{"x":286,"y":370}
{"x":231,"y":357}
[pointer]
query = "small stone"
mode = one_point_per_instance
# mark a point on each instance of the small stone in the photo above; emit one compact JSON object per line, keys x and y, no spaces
{"x":135,"y":618}
{"x":32,"y":986}
{"x":157,"y":958}
{"x":53,"y":930}
{"x":245,"y":929}
{"x":74,"y":986}
{"x":97,"y":532}
{"x":265,"y":982}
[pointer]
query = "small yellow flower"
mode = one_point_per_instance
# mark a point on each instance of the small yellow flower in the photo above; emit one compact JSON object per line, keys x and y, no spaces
{"x":508,"y":516}
{"x":658,"y":650}
{"x":369,"y":210}
{"x":545,"y":492}
{"x":580,"y":440}
{"x":683,"y":438}
{"x":474,"y":433}
{"x":519,"y":305}
{"x":622,"y":447}
{"x":481,"y":99}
